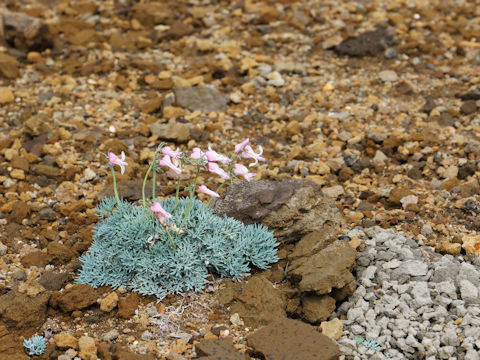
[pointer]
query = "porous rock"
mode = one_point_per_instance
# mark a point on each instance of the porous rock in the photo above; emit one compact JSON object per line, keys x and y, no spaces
{"x":257,"y":301}
{"x":328,"y":269}
{"x":210,"y":349}
{"x":128,"y":305}
{"x":11,"y":347}
{"x":292,"y":339}
{"x":290,"y":208}
{"x":77,"y":297}
{"x":20,"y":311}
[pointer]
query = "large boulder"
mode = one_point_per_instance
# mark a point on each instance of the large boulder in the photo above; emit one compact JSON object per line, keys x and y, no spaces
{"x":290,"y":208}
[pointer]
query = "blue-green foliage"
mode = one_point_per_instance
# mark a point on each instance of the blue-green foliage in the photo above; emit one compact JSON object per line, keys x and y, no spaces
{"x":36,"y":345}
{"x":131,"y":248}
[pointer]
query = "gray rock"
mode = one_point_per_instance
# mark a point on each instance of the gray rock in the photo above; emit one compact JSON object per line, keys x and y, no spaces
{"x":111,"y":335}
{"x":201,"y":98}
{"x":420,"y":293}
{"x":468,"y":291}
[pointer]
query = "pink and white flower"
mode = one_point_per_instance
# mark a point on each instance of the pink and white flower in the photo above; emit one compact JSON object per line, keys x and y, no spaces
{"x":212,"y":155}
{"x":198,"y":154}
{"x":167,"y":150}
{"x":115,"y":160}
{"x":167,"y":161}
{"x":242,"y":170}
{"x":205,"y":190}
{"x":241,"y":146}
{"x":216,"y":169}
{"x":160,"y":212}
{"x":248,"y":153}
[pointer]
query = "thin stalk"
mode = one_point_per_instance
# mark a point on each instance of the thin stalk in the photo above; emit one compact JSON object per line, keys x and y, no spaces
{"x":145,"y":182}
{"x":178,"y":189}
{"x":154,"y":177}
{"x":115,"y":186}
{"x":170,"y":237}
{"x":190,"y":200}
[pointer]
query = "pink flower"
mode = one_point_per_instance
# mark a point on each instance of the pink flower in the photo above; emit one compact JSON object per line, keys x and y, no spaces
{"x":160,"y":212}
{"x":167,"y":150}
{"x":241,"y":146}
{"x":248,"y":153}
{"x":205,"y":190}
{"x":241,"y":170}
{"x":214,"y":168}
{"x":214,"y":156}
{"x":197,"y":154}
{"x":115,"y":160}
{"x":166,"y":161}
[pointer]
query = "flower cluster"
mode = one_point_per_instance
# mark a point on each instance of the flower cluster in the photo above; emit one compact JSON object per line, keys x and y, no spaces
{"x":225,"y":167}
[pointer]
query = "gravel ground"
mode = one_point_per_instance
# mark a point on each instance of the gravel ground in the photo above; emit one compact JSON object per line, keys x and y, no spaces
{"x":411,"y":302}
{"x":377,"y":101}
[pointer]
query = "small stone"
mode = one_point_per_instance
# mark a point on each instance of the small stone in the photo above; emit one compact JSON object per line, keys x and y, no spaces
{"x":451,"y":172}
{"x":388,"y":76}
{"x":248,"y":88}
{"x":173,"y":130}
{"x":6,"y":95}
{"x":3,"y":249}
{"x":333,"y":329}
{"x":65,"y":341}
{"x":275,"y":79}
{"x":468,"y":291}
{"x":203,"y":98}
{"x":469,"y":107}
{"x":333,"y":191}
{"x":379,"y":158}
{"x":87,"y":347}
{"x":109,"y":303}
{"x":89,"y":174}
{"x":471,"y":244}
{"x":17,"y":174}
{"x":236,"y":320}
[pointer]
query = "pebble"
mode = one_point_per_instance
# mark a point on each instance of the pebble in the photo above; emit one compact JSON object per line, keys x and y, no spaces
{"x":6,"y":95}
{"x":388,"y":76}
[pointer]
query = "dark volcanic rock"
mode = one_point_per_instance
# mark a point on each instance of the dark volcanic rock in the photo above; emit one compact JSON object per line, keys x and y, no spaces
{"x":370,"y":43}
{"x":291,"y":208}
{"x":212,"y":349}
{"x":292,"y":340}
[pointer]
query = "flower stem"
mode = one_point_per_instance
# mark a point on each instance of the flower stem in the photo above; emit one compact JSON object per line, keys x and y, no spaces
{"x":145,"y":182}
{"x":170,"y":237}
{"x":190,"y":200}
{"x":178,"y":189}
{"x":154,"y":177}
{"x":115,"y":186}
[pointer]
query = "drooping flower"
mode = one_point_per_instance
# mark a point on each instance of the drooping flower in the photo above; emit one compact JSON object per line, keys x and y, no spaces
{"x":205,"y":190}
{"x":241,"y":146}
{"x":248,"y":153}
{"x":197,"y":154}
{"x":212,"y":155}
{"x":160,"y":212}
{"x":242,"y":170}
{"x":167,"y":150}
{"x":167,"y":161}
{"x":216,"y":169}
{"x":115,"y":160}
